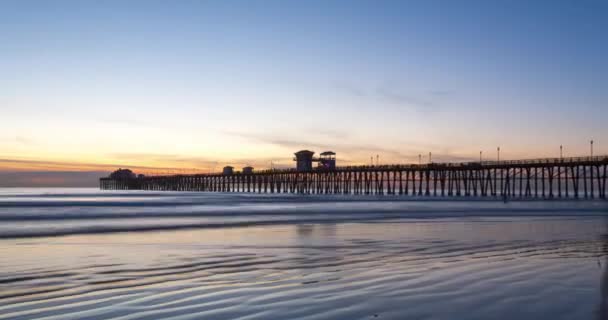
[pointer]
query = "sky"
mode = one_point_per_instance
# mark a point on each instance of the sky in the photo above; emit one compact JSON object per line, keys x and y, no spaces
{"x":190,"y":86}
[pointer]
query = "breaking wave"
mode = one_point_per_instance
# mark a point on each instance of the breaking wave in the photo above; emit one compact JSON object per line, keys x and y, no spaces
{"x":64,"y":212}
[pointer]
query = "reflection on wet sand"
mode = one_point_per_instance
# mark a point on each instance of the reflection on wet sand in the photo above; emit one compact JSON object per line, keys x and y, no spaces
{"x":603,"y":309}
{"x":475,"y":268}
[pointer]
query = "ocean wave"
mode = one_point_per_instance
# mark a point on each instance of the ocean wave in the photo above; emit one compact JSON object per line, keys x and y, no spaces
{"x":52,"y":214}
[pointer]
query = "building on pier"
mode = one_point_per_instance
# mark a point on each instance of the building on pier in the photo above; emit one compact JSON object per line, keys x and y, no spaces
{"x":228,"y":170}
{"x":304,"y":160}
{"x":327,"y":160}
{"x":122,"y":174}
{"x":248,"y":170}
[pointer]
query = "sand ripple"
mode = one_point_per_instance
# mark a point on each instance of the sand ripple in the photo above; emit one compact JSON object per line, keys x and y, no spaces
{"x":355,"y":271}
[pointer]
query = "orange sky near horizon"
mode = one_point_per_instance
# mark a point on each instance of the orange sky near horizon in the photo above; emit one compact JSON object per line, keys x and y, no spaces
{"x":155,"y":164}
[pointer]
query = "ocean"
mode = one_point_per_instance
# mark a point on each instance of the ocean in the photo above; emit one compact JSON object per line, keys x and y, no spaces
{"x":90,"y":254}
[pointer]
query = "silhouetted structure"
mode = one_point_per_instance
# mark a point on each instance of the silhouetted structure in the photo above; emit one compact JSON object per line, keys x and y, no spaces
{"x":228,"y":170}
{"x":122,"y":179}
{"x":248,"y":170}
{"x":304,"y":160}
{"x":582,"y":177}
{"x":122,"y":174}
{"x":328,"y":160}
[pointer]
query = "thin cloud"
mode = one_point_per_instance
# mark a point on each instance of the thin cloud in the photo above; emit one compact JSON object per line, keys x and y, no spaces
{"x":351,"y":90}
{"x":403,"y":99}
{"x":205,"y":164}
{"x":348,"y":152}
{"x":418,"y":100}
{"x":24,"y":140}
{"x":298,"y":144}
{"x":127,"y":121}
{"x":330,"y":133}
{"x":23,"y":165}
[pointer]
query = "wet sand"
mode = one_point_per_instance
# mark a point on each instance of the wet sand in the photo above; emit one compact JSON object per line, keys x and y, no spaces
{"x":459,"y":267}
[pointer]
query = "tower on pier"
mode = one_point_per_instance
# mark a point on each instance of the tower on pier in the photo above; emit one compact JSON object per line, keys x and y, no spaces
{"x":228,"y":170}
{"x":327,"y":160}
{"x":304,"y":160}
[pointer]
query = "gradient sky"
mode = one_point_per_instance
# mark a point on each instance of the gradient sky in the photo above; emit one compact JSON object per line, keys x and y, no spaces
{"x":166,"y":86}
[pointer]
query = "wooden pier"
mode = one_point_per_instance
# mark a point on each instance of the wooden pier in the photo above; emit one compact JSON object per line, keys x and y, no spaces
{"x":581,"y":177}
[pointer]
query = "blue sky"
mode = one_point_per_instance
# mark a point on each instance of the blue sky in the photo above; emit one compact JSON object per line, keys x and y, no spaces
{"x":198,"y":84}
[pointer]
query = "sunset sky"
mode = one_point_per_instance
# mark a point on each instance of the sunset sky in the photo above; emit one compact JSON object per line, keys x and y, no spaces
{"x":189,"y":86}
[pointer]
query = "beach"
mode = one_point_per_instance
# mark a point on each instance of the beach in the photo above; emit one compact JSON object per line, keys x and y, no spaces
{"x":86,"y":254}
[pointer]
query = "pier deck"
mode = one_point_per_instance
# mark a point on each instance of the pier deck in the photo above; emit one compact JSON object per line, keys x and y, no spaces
{"x":577,"y":177}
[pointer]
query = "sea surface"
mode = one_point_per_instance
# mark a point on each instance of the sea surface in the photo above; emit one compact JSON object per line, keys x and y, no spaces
{"x":90,"y":254}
